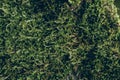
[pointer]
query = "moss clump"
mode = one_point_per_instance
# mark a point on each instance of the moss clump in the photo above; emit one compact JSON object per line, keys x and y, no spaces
{"x":59,"y":40}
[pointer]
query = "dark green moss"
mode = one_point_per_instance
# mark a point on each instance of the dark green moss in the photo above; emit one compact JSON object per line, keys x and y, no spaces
{"x":59,"y":40}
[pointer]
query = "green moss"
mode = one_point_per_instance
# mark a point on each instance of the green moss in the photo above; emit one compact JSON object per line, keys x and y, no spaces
{"x":58,"y":40}
{"x":117,"y":3}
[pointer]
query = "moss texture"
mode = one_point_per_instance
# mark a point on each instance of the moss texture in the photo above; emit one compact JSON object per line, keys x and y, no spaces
{"x":117,"y":3}
{"x":59,"y":40}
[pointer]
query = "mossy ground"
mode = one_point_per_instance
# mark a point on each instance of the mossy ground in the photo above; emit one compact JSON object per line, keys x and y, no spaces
{"x":59,"y":40}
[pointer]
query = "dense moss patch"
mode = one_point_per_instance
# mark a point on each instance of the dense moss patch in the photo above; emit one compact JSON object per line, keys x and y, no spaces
{"x":117,"y":3}
{"x":59,"y":40}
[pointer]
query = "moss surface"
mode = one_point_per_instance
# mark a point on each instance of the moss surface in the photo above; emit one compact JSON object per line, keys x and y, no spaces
{"x":59,"y":40}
